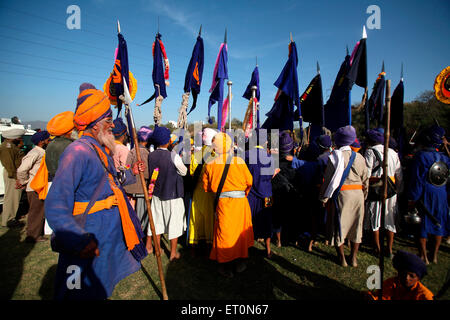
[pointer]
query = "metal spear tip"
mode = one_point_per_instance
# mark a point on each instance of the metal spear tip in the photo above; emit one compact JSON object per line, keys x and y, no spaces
{"x":118,"y":26}
{"x":401,"y":73}
{"x":200,"y":31}
{"x":225,"y":37}
{"x":364,"y":34}
{"x":291,"y":37}
{"x":318,"y":67}
{"x":382,"y":67}
{"x":346,"y":49}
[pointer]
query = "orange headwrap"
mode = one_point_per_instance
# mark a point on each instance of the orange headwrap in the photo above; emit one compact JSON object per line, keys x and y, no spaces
{"x":222,"y":143}
{"x":92,"y":105}
{"x":61,"y":123}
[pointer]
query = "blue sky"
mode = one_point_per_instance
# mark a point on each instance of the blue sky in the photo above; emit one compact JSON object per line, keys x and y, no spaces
{"x":42,"y":62}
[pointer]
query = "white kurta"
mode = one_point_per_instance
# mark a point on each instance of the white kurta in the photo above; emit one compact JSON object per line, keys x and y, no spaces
{"x":372,"y":219}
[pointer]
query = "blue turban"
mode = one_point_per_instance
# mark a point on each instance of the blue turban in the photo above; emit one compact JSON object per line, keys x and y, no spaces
{"x":119,"y":128}
{"x":434,"y":136}
{"x":356,"y":144}
{"x":324,"y":141}
{"x":286,"y":142}
{"x":160,"y":136}
{"x":39,"y":136}
{"x":344,"y":136}
{"x":375,"y":136}
{"x":405,"y":261}
{"x":144,"y":133}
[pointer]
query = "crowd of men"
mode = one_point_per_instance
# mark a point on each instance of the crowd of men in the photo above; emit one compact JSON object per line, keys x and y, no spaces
{"x":82,"y":188}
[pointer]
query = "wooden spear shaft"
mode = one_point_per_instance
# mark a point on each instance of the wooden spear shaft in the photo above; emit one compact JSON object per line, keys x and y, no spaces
{"x":149,"y":210}
{"x":385,"y":177}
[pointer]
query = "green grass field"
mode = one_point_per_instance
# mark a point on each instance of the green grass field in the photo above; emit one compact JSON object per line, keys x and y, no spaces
{"x":27,"y":273}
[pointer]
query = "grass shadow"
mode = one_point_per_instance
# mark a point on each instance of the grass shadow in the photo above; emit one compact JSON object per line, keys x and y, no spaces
{"x":13,"y":253}
{"x":46,"y":290}
{"x":190,"y":278}
{"x":153,"y":284}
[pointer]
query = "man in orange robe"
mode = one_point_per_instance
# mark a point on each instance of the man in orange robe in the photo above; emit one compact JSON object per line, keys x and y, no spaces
{"x":233,"y":230}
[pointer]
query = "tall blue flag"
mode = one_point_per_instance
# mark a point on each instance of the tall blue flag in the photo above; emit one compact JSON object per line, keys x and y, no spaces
{"x":123,"y":73}
{"x":397,"y":106}
{"x":194,"y":72}
{"x":282,"y":114}
{"x":337,"y":107}
{"x":376,"y":101}
{"x":219,"y":76}
{"x":311,"y":103}
{"x":357,"y":73}
{"x":254,"y":81}
{"x":158,"y":71}
{"x":121,"y":70}
{"x":397,"y":125}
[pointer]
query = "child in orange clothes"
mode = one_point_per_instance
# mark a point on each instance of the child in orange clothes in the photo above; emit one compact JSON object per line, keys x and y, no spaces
{"x":406,"y":285}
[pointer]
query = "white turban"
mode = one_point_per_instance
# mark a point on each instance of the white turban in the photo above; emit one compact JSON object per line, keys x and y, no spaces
{"x":208,"y":135}
{"x":14,"y":133}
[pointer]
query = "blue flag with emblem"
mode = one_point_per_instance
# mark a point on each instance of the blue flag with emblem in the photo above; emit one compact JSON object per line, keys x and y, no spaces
{"x":194,"y":72}
{"x":219,"y":76}
{"x":158,"y":71}
{"x":282,"y":114}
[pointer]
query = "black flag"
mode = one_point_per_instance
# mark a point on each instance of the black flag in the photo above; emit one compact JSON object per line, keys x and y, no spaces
{"x":311,"y":102}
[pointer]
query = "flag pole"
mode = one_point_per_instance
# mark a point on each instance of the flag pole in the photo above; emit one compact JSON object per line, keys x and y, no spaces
{"x":229,"y":83}
{"x":385,"y":177}
{"x":147,"y":201}
{"x":126,"y":99}
{"x":366,"y":92}
{"x":254,"y":88}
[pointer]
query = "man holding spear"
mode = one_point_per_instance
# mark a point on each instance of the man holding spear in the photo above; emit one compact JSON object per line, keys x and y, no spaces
{"x":96,"y":231}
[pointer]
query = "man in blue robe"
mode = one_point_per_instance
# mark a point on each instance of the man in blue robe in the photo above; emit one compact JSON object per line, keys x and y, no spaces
{"x":262,"y":167}
{"x":432,"y":194}
{"x":99,"y":248}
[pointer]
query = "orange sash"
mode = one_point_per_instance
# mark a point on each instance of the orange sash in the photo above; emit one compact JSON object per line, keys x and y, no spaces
{"x":131,"y":238}
{"x":108,"y":203}
{"x":352,"y":187}
{"x":40,"y":180}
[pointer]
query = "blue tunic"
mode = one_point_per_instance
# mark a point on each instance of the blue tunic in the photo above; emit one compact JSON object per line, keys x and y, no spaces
{"x":261,"y":166}
{"x":433,"y":197}
{"x":78,"y":174}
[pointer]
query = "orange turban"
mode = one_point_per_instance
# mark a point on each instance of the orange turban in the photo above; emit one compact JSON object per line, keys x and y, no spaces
{"x":222,"y":143}
{"x":61,"y":124}
{"x":92,"y":106}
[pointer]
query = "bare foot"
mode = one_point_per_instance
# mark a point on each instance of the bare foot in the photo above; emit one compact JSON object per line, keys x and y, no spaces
{"x":175,"y":256}
{"x":343,"y":262}
{"x":278,"y":244}
{"x":354,"y":262}
{"x":311,"y":244}
{"x":435,"y":260}
{"x":425,"y":259}
{"x":149,"y":250}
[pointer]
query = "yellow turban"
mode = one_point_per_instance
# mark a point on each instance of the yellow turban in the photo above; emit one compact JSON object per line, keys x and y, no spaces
{"x":92,"y":106}
{"x":61,"y":123}
{"x":222,"y":143}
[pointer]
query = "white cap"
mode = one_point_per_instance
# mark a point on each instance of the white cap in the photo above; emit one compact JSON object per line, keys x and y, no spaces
{"x":14,"y":133}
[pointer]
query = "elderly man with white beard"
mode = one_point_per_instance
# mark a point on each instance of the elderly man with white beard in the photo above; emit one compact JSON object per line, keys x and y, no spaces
{"x":96,"y":231}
